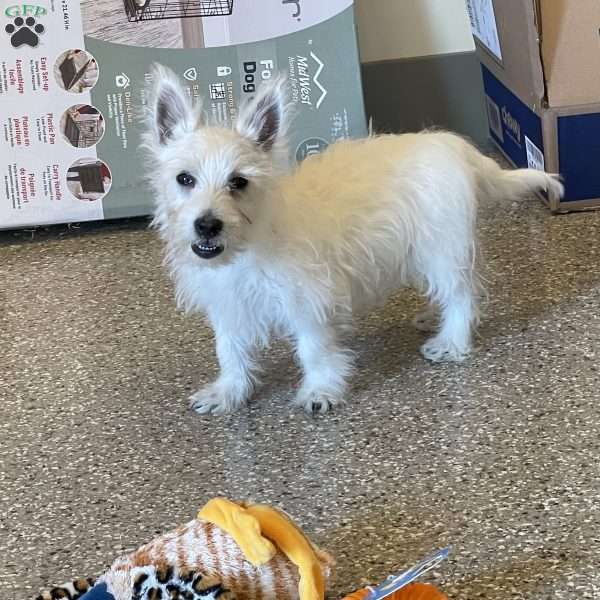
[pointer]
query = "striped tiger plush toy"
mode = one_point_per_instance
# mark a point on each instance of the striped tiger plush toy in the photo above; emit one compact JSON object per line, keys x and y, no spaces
{"x":241,"y":551}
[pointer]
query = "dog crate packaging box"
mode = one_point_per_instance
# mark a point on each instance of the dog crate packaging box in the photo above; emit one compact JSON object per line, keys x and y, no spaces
{"x":540,"y":61}
{"x":73,"y":77}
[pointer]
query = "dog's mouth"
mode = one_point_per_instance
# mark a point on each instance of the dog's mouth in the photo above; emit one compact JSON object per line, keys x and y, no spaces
{"x":207,"y":249}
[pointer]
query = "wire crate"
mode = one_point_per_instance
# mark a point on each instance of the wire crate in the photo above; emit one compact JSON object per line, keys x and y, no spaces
{"x":149,"y":10}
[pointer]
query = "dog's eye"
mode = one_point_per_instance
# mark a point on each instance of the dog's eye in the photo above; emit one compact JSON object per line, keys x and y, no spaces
{"x":185,"y":179}
{"x":237,"y":183}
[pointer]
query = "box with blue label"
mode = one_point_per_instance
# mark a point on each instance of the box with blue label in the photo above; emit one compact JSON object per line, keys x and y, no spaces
{"x":542,"y":97}
{"x":73,"y":75}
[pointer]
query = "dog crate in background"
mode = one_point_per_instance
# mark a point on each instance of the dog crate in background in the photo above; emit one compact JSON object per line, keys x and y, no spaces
{"x":148,"y":10}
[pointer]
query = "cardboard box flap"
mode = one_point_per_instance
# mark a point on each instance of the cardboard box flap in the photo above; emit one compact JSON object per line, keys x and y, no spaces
{"x":520,"y":63}
{"x":571,"y":51}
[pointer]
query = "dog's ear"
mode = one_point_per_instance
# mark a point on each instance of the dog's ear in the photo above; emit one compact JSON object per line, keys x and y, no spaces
{"x":171,"y":110}
{"x":264,"y":118}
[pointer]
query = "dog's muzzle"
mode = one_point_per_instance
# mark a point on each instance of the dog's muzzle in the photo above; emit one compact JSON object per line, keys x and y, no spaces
{"x":208,"y":228}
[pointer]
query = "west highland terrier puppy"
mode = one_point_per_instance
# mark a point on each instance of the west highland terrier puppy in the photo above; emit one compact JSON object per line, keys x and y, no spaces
{"x":262,"y":250}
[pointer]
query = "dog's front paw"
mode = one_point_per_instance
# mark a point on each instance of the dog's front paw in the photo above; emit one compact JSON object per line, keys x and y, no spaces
{"x":216,"y":399}
{"x":438,"y":349}
{"x":316,"y":401}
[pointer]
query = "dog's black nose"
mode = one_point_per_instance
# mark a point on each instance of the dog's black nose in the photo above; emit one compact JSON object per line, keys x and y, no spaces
{"x":208,"y":226}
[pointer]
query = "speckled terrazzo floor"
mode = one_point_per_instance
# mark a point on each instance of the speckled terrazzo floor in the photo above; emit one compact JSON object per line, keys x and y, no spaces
{"x":499,"y":457}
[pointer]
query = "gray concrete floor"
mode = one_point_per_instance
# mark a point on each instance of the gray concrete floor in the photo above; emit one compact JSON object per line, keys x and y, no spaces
{"x":498,"y":457}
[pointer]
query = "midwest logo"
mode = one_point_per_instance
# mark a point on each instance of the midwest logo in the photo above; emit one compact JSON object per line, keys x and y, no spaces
{"x":304,"y":79}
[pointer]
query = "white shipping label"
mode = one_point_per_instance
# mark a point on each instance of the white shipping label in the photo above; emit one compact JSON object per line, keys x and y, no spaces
{"x":494,"y":119}
{"x":483,"y":25}
{"x":535,"y":157}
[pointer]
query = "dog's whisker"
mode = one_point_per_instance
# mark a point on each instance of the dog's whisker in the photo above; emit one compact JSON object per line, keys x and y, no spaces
{"x":244,"y":215}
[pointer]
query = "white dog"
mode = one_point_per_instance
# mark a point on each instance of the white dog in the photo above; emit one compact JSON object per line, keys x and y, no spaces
{"x":296,"y":254}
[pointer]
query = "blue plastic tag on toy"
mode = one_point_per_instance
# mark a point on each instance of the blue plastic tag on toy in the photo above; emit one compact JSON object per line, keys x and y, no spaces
{"x":98,"y":592}
{"x":395,"y":582}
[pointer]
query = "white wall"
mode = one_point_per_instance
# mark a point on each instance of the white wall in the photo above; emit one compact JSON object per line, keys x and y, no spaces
{"x":391,"y":29}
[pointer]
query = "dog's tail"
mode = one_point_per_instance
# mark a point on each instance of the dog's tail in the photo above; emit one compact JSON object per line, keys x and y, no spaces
{"x":512,"y":184}
{"x":520,"y":182}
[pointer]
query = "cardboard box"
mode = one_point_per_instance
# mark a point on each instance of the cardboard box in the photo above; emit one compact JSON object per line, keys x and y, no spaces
{"x":570,"y":51}
{"x":72,"y":81}
{"x":541,"y":74}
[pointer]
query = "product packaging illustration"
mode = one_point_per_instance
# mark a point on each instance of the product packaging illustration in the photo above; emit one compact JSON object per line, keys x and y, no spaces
{"x":73,"y":80}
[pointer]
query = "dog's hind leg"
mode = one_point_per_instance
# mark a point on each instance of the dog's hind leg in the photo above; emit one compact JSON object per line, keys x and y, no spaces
{"x":453,"y":288}
{"x":457,"y":318}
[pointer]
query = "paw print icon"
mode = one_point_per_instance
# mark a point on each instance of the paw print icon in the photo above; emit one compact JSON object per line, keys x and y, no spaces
{"x":24,"y":32}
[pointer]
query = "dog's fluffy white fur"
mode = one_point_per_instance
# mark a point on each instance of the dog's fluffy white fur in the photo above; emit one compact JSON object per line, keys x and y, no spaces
{"x":297,"y":253}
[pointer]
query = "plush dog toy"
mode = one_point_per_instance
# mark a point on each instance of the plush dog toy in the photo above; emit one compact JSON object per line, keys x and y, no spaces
{"x":230,"y":551}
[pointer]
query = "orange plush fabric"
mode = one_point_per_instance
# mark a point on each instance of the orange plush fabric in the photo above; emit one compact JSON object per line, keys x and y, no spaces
{"x":413,"y":591}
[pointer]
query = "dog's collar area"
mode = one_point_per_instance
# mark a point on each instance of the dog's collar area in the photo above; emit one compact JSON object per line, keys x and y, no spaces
{"x":98,"y":592}
{"x":207,"y":250}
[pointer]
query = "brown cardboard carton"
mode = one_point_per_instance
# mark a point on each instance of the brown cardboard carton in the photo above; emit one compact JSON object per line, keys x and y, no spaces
{"x":570,"y":51}
{"x":541,"y":74}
